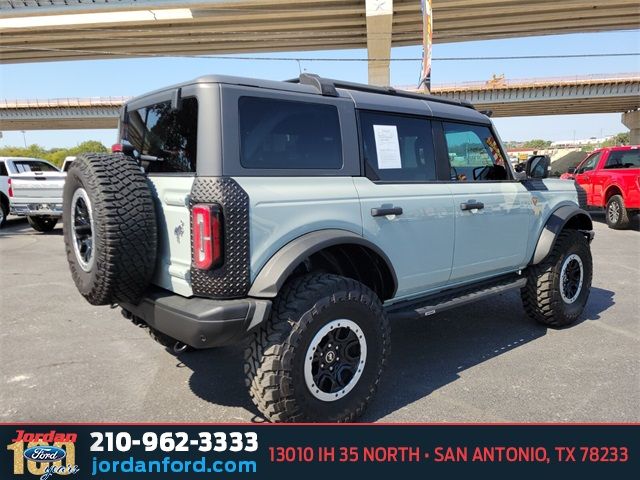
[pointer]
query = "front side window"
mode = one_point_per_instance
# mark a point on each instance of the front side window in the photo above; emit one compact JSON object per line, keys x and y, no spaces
{"x":284,"y":134}
{"x":166,"y":138}
{"x":589,"y":163}
{"x":623,"y":159}
{"x":474,"y":153}
{"x":28,"y":166}
{"x":397,"y":148}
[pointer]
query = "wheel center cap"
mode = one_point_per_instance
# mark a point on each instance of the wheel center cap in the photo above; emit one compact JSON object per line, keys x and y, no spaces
{"x":330,"y":356}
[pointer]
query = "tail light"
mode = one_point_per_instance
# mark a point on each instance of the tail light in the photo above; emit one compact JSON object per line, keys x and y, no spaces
{"x":10,"y":190}
{"x":122,"y":147}
{"x":207,"y":236}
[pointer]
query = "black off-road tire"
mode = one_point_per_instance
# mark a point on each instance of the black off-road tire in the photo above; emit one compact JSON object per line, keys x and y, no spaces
{"x":541,"y":296}
{"x":616,"y":215}
{"x":4,"y":211}
{"x":274,"y":361}
{"x":124,"y":228}
{"x":42,"y":224}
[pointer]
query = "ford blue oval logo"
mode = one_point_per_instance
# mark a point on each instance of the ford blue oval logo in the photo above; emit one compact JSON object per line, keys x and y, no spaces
{"x":44,"y":454}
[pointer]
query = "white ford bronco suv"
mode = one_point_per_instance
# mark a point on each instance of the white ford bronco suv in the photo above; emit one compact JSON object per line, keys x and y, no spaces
{"x":302,"y":216}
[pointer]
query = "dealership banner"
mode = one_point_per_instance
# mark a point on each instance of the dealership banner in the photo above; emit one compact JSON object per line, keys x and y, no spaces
{"x":189,"y":451}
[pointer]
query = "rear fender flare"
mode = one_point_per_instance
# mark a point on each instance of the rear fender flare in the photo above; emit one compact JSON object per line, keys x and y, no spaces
{"x":280,"y":266}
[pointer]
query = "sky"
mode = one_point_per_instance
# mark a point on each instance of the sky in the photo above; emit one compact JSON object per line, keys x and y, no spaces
{"x":130,"y":77}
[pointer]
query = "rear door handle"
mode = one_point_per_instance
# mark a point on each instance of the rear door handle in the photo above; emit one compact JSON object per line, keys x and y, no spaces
{"x":471,"y":205}
{"x":383,"y":212}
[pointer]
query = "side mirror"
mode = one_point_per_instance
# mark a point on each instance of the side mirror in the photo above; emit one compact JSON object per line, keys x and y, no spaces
{"x":571,"y":170}
{"x":538,"y":166}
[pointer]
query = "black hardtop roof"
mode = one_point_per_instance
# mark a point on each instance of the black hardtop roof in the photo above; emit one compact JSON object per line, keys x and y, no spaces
{"x":313,"y":84}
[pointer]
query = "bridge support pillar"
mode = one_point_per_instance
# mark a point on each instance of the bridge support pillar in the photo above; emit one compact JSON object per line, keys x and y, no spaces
{"x":631,"y":120}
{"x":379,"y":32}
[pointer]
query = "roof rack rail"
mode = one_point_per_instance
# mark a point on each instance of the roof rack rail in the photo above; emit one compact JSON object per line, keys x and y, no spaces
{"x":328,"y":86}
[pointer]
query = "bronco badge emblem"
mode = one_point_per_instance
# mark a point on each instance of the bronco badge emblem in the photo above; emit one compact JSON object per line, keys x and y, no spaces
{"x":179,"y":231}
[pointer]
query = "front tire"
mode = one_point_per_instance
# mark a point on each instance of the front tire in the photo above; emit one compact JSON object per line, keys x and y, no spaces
{"x":320,"y":356}
{"x":558,"y":288}
{"x":616,"y":214}
{"x":42,"y":224}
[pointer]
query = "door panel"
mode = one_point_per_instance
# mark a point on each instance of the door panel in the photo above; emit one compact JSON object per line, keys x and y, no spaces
{"x":494,"y":238}
{"x":420,"y":241}
{"x":399,"y":160}
{"x":584,"y":172}
{"x":492,"y":213}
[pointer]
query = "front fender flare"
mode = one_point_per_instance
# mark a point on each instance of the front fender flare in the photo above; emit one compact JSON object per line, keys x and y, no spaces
{"x":555,"y":224}
{"x":278,"y":268}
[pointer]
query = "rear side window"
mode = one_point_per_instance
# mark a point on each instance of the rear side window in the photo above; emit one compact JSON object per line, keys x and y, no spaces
{"x":3,"y":170}
{"x":474,"y":154}
{"x":171,"y":136}
{"x":27,"y":166}
{"x":623,"y":159}
{"x":397,"y":148}
{"x":284,"y":134}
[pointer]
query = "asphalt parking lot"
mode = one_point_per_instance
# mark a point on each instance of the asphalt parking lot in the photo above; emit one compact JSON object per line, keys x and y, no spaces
{"x":64,"y":360}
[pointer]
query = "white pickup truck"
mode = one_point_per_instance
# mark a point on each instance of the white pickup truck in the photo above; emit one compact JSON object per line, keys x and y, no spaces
{"x":31,"y":187}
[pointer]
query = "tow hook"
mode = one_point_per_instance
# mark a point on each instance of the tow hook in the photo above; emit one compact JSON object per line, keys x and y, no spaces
{"x":180,"y":347}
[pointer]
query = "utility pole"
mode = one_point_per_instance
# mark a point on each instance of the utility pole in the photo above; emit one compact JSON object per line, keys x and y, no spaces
{"x":24,"y":138}
{"x":427,"y":40}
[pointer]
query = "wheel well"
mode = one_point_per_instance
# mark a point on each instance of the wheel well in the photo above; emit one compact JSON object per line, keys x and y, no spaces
{"x":611,"y":191}
{"x":580,"y":221}
{"x":353,"y":261}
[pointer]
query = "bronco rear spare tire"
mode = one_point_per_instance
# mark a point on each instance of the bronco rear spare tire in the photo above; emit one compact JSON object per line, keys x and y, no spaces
{"x":110,"y":229}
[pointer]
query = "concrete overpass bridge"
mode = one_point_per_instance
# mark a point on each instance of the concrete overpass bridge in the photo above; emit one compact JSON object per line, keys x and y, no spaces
{"x":49,"y":30}
{"x":506,"y":98}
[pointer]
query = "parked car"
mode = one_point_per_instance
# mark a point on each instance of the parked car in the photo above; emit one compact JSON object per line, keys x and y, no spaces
{"x":31,"y":187}
{"x":611,"y":179}
{"x":306,"y":214}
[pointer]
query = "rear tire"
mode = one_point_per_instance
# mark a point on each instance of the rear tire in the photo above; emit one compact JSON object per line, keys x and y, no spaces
{"x":558,"y":288}
{"x":42,"y":224}
{"x":4,"y":211}
{"x":616,"y":214}
{"x":110,"y":228}
{"x":291,"y":378}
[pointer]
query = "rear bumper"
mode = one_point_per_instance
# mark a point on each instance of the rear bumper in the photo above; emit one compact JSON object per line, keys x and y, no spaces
{"x":43,"y":208}
{"x":200,"y":322}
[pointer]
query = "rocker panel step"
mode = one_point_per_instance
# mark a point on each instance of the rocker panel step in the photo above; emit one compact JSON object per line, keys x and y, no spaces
{"x":452,"y":298}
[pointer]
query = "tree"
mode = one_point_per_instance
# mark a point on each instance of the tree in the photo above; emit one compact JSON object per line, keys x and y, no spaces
{"x":621,"y":138}
{"x":537,"y":144}
{"x":54,"y":155}
{"x":87,"y":146}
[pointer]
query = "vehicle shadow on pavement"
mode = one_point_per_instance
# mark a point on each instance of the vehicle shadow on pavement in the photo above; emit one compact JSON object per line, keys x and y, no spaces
{"x":217,"y":377}
{"x":599,"y":217}
{"x":430,"y":353}
{"x":15,"y":226}
{"x":425,"y":354}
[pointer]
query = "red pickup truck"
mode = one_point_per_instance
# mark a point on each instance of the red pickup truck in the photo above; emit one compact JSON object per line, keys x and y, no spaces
{"x":611,"y":178}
